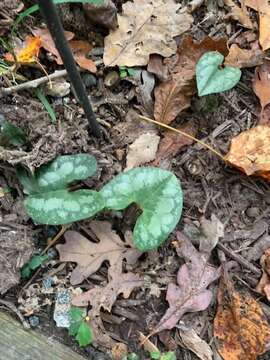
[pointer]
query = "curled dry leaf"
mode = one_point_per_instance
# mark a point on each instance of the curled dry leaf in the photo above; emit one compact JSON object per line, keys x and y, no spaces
{"x":263,"y":286}
{"x":263,"y":8}
{"x":89,"y":255}
{"x":143,"y":150}
{"x":242,"y":58}
{"x":194,"y":343}
{"x":261,"y":84}
{"x":250,"y":152}
{"x":137,"y":36}
{"x":79,"y":48}
{"x":239,"y":13}
{"x":48,"y":44}
{"x":174,"y":95}
{"x":173,"y":142}
{"x":26,"y":54}
{"x":250,"y":333}
{"x":104,"y":14}
{"x":190,"y":294}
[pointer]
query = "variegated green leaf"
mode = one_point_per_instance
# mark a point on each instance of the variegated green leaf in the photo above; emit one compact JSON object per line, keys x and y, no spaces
{"x":158,"y":194}
{"x":63,"y":207}
{"x":63,"y":170}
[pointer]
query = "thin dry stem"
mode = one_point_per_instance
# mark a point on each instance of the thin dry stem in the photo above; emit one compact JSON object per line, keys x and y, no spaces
{"x":184,"y":134}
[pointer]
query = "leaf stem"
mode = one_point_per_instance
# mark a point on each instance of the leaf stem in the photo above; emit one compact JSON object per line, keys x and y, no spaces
{"x":184,"y":134}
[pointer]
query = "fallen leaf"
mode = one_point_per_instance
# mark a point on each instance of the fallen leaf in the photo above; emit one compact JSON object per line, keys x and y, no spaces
{"x":48,"y":44}
{"x":190,"y":294}
{"x":261,"y":84}
{"x":143,"y":150}
{"x":240,"y":325}
{"x":263,"y":286}
{"x":211,"y":78}
{"x":80,"y":50}
{"x":250,"y":152}
{"x":147,"y":344}
{"x":156,"y":66}
{"x":242,"y":58}
{"x":239,"y":13}
{"x":26,"y":54}
{"x":104,"y":297}
{"x":195,"y":344}
{"x":174,"y":95}
{"x":104,"y":14}
{"x":263,"y":8}
{"x":212,"y":230}
{"x":173,"y":142}
{"x":89,"y":255}
{"x":137,"y":36}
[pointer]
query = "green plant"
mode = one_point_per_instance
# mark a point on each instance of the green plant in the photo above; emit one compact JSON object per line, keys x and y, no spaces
{"x":79,"y":327}
{"x":32,"y":264}
{"x":43,"y":99}
{"x":11,"y":134}
{"x":131,"y":356}
{"x":157,"y":192}
{"x":156,"y":355}
{"x":125,"y":71}
{"x":211,"y":78}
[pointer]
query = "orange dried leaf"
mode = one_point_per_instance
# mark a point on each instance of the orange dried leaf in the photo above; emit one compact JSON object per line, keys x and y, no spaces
{"x":174,"y":95}
{"x":80,"y":49}
{"x":240,"y":325}
{"x":250,"y":152}
{"x":28,"y":53}
{"x":261,"y":84}
{"x":242,"y":58}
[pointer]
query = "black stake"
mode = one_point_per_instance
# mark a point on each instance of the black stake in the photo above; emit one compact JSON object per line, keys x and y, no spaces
{"x":49,"y":13}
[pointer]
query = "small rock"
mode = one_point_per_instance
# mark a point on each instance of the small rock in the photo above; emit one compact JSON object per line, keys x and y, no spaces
{"x":112,"y":79}
{"x":47,"y":283}
{"x":57,"y":88}
{"x":62,"y":307}
{"x":253,"y":212}
{"x":89,"y":80}
{"x":34,"y":321}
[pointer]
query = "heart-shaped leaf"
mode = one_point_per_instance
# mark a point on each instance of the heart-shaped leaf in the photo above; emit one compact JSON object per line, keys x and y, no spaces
{"x":158,"y":194}
{"x":210,"y":78}
{"x":63,"y":207}
{"x":84,"y":335}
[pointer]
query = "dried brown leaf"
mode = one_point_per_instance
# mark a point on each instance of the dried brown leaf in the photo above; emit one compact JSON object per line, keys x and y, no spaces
{"x":190,"y":294}
{"x":80,"y":50}
{"x":263,"y":286}
{"x":89,"y":255}
{"x":261,"y":83}
{"x":212,"y":230}
{"x":250,"y":152}
{"x":194,"y":343}
{"x":242,"y":58}
{"x":174,"y":95}
{"x":239,"y":13}
{"x":137,"y":36}
{"x":240,"y":325}
{"x":143,"y":150}
{"x":173,"y":142}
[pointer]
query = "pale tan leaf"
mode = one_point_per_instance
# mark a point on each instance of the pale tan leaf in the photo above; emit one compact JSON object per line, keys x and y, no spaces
{"x":194,"y":343}
{"x":242,"y":58}
{"x":90,"y":255}
{"x":143,"y":150}
{"x":145,"y":27}
{"x":239,"y":13}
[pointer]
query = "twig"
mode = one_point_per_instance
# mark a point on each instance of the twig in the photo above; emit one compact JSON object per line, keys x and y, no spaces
{"x":13,"y":308}
{"x":33,"y":84}
{"x":239,"y":259}
{"x":184,"y":134}
{"x":57,"y":236}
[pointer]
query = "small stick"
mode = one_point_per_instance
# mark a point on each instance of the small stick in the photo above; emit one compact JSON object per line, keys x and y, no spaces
{"x":57,"y":236}
{"x":49,"y":13}
{"x":184,"y":134}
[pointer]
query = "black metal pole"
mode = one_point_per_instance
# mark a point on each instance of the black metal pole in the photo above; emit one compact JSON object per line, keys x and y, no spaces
{"x":49,"y":13}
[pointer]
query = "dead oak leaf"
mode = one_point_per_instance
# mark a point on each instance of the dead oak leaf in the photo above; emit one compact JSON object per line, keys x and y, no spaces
{"x":242,"y":58}
{"x":174,"y":95}
{"x":142,"y":150}
{"x":239,"y":13}
{"x":263,"y":286}
{"x":261,"y":83}
{"x":250,"y":152}
{"x":145,"y":27}
{"x":190,"y":294}
{"x":26,"y":54}
{"x":90,"y":255}
{"x":240,"y":325}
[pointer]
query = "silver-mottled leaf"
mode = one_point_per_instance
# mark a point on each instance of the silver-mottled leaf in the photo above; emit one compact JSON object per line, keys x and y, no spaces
{"x":63,"y":207}
{"x":159,"y":195}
